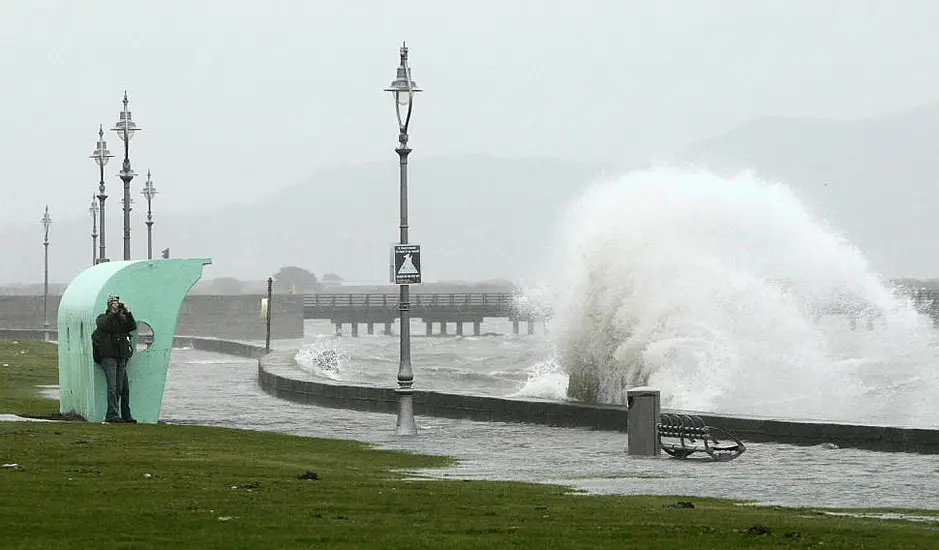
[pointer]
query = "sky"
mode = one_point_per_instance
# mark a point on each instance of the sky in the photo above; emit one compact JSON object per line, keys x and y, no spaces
{"x":238,"y":99}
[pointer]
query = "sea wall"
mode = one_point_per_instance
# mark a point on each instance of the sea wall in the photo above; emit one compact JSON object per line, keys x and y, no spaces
{"x":202,"y":343}
{"x":27,"y":311}
{"x":279,"y":376}
{"x":236,"y":317}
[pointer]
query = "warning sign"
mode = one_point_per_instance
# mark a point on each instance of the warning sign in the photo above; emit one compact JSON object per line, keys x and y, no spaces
{"x":406,"y":264}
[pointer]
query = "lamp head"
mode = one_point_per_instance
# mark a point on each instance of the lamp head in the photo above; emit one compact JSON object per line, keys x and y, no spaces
{"x":125,"y":127}
{"x":46,"y":221}
{"x":403,"y":90}
{"x":101,"y":154}
{"x":148,"y":190}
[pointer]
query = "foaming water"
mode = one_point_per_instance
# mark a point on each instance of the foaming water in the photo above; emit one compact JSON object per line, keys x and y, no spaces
{"x":711,"y":290}
{"x":322,"y":358}
{"x":496,"y":363}
{"x":546,"y":380}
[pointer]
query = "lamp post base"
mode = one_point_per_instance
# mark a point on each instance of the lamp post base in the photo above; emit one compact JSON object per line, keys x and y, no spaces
{"x":405,"y":425}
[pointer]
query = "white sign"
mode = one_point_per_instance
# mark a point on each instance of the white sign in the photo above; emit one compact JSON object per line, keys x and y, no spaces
{"x":406,"y":264}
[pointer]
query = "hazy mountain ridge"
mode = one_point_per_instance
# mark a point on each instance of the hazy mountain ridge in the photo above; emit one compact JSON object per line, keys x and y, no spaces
{"x":477,"y":217}
{"x":870,"y":177}
{"x":480,"y":217}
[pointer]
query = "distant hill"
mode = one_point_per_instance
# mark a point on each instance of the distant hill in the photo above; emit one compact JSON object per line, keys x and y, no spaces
{"x":877,"y":179}
{"x":481,"y":218}
{"x":477,"y":218}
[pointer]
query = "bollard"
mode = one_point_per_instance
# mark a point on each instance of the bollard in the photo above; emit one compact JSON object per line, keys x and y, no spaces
{"x":641,"y":421}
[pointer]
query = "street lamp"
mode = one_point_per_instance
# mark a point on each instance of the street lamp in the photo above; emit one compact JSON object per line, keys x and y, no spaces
{"x":125,"y":129}
{"x":46,"y":222}
{"x":149,"y":191}
{"x":101,"y":156}
{"x":403,"y":89}
{"x":93,"y":211}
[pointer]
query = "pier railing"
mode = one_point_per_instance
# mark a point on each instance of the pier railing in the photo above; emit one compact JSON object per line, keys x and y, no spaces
{"x":488,"y":304}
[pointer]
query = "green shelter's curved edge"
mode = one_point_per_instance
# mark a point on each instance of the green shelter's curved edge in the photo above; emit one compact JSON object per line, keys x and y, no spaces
{"x":154,"y":290}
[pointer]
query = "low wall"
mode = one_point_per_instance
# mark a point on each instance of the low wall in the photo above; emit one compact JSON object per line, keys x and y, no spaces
{"x":218,"y":345}
{"x":274,"y":368}
{"x":237,"y":317}
{"x":27,"y":334}
{"x":277,"y":371}
{"x":26,"y":311}
{"x":202,"y":343}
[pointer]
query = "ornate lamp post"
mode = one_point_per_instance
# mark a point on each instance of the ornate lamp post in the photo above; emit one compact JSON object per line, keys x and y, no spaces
{"x":403,"y":89}
{"x":46,"y":221}
{"x":125,"y":129}
{"x":93,"y":211}
{"x":101,"y":156}
{"x":149,"y":191}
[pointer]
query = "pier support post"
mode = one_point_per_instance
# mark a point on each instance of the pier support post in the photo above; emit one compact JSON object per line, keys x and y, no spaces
{"x":355,"y":329}
{"x":387,"y":328}
{"x":476,"y":328}
{"x":338,"y":329}
{"x":459,"y":328}
{"x":515,"y":326}
{"x":429,"y":327}
{"x":370,"y":327}
{"x":443,"y":328}
{"x":642,"y":419}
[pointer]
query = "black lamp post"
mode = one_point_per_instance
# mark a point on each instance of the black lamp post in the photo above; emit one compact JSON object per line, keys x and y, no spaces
{"x":101,"y":156}
{"x":149,"y":191}
{"x":125,"y":129}
{"x":93,"y":212}
{"x":403,"y":89}
{"x":46,"y":221}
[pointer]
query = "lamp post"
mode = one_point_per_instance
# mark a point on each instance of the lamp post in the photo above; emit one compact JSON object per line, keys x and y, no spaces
{"x":101,"y":156}
{"x":149,"y":191}
{"x":93,"y":211}
{"x":125,"y":129}
{"x":46,"y":222}
{"x":403,"y":89}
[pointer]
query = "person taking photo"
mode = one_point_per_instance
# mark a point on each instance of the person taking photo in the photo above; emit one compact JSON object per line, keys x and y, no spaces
{"x":114,"y":348}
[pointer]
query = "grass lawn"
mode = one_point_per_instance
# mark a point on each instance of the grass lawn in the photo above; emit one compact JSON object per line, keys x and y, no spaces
{"x":82,"y":485}
{"x":25,"y":364}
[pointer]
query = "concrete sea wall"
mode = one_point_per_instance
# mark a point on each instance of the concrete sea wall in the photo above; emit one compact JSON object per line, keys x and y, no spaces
{"x":202,"y":343}
{"x":236,"y":317}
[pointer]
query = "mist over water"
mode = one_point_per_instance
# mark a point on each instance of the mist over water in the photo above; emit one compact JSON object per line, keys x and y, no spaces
{"x":711,"y":289}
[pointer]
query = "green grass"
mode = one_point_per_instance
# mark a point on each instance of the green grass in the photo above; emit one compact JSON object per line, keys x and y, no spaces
{"x":82,"y":485}
{"x":25,"y":364}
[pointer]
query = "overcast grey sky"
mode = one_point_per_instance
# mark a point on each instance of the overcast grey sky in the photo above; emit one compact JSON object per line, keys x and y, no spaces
{"x":238,"y":98}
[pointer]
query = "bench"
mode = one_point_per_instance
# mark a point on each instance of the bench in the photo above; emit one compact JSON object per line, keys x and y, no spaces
{"x":682,"y":435}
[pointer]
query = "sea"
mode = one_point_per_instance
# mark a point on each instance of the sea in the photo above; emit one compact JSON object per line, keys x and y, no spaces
{"x":728,"y":294}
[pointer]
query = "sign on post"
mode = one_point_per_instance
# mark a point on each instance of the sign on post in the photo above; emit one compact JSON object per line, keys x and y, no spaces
{"x":406,"y":264}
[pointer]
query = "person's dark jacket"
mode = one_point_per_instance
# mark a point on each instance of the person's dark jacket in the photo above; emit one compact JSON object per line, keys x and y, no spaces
{"x":114,"y":333}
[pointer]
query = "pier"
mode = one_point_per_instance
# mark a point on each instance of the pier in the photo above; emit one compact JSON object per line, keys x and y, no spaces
{"x":440,"y":309}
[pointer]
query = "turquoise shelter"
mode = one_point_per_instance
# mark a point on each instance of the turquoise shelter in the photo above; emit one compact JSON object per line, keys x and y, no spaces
{"x":154,"y":291}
